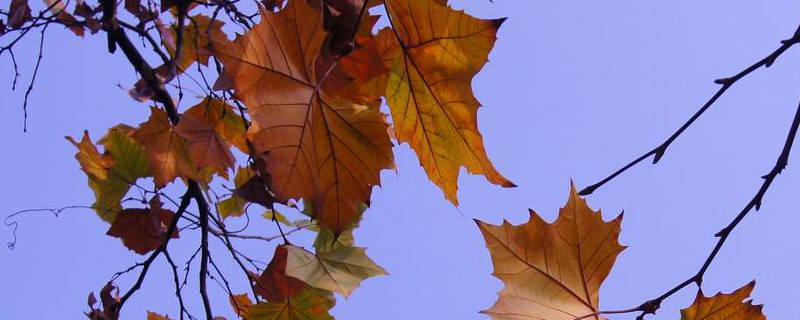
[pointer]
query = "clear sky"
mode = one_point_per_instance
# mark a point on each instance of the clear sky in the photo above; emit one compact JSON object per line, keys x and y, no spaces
{"x":574,"y":90}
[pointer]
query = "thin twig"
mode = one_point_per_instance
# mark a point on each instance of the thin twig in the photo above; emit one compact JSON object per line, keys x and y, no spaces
{"x":650,"y":306}
{"x":726,"y":83}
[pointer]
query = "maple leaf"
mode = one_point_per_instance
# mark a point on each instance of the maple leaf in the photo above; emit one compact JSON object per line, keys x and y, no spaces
{"x":330,"y":152}
{"x":109,"y":299}
{"x":143,"y":230}
{"x":112,"y":173}
{"x":552,"y":271}
{"x":273,"y":284}
{"x":340,"y":270}
{"x":429,"y":90}
{"x":156,"y":316}
{"x":198,"y":34}
{"x":167,"y":152}
{"x":725,"y":306}
{"x":240,"y":303}
{"x":225,"y":121}
{"x":92,"y":162}
{"x":308,"y":305}
{"x":18,"y":13}
{"x":207,"y":149}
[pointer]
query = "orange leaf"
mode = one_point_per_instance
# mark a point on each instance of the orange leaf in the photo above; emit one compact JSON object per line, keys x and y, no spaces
{"x":430,"y":93}
{"x":226,"y":122}
{"x":206,"y":147}
{"x":143,"y":230}
{"x":273,"y":284}
{"x":327,"y":151}
{"x":552,"y":271}
{"x":725,"y":306}
{"x":240,"y":303}
{"x":92,"y":162}
{"x":167,"y":152}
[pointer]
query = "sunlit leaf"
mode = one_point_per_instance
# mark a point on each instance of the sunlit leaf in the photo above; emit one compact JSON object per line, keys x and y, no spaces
{"x":308,"y":305}
{"x":206,"y":147}
{"x":330,"y":152}
{"x":429,"y":90}
{"x":552,"y":270}
{"x":340,"y":270}
{"x":167,"y":152}
{"x":725,"y":306}
{"x":226,"y":122}
{"x":273,"y":284}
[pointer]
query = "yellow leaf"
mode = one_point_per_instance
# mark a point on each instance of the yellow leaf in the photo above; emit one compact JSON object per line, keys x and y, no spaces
{"x":725,"y":306}
{"x":327,"y":151}
{"x":308,"y":305}
{"x":552,"y":271}
{"x":167,"y":152}
{"x":429,"y":89}
{"x":92,"y":162}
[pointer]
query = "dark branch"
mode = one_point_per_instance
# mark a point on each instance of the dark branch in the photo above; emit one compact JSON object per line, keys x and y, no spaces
{"x":726,"y":83}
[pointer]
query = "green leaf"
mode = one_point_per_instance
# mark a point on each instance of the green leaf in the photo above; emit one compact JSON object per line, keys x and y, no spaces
{"x":274,"y":214}
{"x":128,"y":163}
{"x":308,"y":305}
{"x":234,"y":206}
{"x":341,"y":270}
{"x":327,"y":242}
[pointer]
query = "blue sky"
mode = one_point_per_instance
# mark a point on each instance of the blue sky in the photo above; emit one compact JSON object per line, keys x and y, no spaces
{"x":574,"y":89}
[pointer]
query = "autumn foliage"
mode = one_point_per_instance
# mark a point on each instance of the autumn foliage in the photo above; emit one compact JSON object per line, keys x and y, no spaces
{"x":293,"y":115}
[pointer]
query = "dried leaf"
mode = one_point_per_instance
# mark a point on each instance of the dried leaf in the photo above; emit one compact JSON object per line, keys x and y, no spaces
{"x":91,"y":161}
{"x":552,"y":271}
{"x":226,"y":122}
{"x":143,"y":230}
{"x":308,"y":305}
{"x":330,"y":152}
{"x":156,"y":316}
{"x":167,"y":152}
{"x":18,"y":13}
{"x":429,"y":89}
{"x":206,"y":147}
{"x":274,"y":285}
{"x":725,"y":306}
{"x":240,"y":303}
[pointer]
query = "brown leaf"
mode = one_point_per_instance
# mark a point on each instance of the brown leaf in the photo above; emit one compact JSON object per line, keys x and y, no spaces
{"x":274,"y":285}
{"x":156,"y":316}
{"x":327,"y":151}
{"x":725,"y":306}
{"x":429,"y":90}
{"x":206,"y":147}
{"x":255,"y":191}
{"x":143,"y":230}
{"x":110,"y":303}
{"x":552,"y":271}
{"x":167,"y":152}
{"x":199,"y":33}
{"x":226,"y":122}
{"x":18,"y":13}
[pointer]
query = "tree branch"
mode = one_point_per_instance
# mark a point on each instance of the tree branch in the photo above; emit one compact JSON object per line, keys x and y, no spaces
{"x":650,"y":306}
{"x":726,"y":83}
